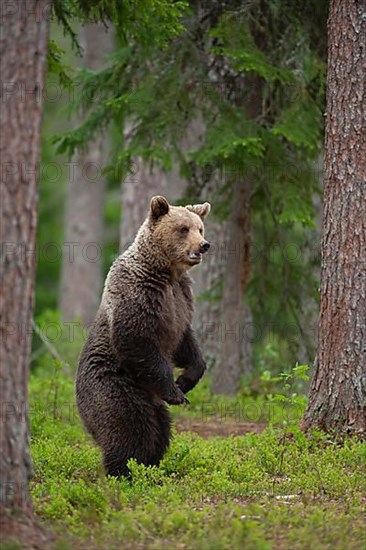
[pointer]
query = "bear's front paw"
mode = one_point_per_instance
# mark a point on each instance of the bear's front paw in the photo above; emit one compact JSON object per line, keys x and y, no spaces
{"x":183,"y":384}
{"x":176,"y":397}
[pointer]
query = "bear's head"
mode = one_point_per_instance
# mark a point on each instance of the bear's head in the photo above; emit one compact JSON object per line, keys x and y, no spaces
{"x":178,"y":231}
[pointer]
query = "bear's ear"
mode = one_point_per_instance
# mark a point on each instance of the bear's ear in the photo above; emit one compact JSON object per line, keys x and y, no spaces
{"x":159,"y":206}
{"x":202,"y":210}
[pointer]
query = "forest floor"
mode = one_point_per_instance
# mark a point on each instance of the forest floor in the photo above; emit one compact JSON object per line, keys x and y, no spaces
{"x":216,"y":427}
{"x":227,"y":482}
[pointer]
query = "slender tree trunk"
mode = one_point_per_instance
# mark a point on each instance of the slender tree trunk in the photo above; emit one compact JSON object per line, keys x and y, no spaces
{"x":338,"y":393}
{"x":23,"y":62}
{"x":81,"y":278}
{"x":233,"y":334}
{"x":137,"y":189}
{"x":208,"y":279}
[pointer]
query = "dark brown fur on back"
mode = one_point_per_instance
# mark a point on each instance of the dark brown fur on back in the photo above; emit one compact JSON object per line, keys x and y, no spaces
{"x":143,"y":327}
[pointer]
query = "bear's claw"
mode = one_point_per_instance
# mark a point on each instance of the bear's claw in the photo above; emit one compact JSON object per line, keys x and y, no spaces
{"x":177,"y":398}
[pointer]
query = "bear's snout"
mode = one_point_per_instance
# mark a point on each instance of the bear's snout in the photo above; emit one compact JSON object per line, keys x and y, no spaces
{"x":204,"y":246}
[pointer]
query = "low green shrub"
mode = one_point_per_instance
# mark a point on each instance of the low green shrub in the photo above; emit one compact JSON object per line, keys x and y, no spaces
{"x":275,"y":489}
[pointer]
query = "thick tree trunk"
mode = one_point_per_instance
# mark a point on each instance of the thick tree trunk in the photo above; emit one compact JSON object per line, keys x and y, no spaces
{"x":81,"y":278}
{"x":232,"y":331}
{"x":338,"y":392}
{"x":23,"y":62}
{"x":211,"y":284}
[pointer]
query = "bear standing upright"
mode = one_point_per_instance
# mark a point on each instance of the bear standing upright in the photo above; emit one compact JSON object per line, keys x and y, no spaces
{"x":143,"y":328}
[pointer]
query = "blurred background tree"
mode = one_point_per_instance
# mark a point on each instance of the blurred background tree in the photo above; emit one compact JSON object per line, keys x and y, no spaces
{"x":81,"y":275}
{"x":230,"y":110}
{"x":25,"y":51}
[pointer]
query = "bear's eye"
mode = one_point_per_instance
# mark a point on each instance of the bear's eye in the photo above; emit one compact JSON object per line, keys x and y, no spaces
{"x":184,"y":230}
{"x":201,"y":230}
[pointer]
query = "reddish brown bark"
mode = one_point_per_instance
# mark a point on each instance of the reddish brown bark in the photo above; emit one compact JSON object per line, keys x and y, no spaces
{"x":23,"y":62}
{"x":338,"y":393}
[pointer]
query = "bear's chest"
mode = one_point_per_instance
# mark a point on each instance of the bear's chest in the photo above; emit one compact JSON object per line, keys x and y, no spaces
{"x":176,"y":315}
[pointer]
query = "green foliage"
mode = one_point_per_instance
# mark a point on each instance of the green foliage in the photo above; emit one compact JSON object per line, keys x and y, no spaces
{"x":236,"y":42}
{"x":308,"y":133}
{"x":147,"y":21}
{"x":66,"y":338}
{"x":253,"y":403}
{"x":132,"y":85}
{"x":49,"y":249}
{"x":283,"y":287}
{"x":253,"y":76}
{"x":224,"y":147}
{"x":57,"y":67}
{"x":289,"y":380}
{"x":215,"y":493}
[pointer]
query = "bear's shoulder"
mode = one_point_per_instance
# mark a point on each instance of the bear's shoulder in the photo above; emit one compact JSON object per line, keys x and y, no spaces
{"x":147,"y":303}
{"x":131,"y":291}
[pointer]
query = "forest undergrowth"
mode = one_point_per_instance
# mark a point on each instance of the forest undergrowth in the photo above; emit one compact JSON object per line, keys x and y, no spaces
{"x":271,"y":488}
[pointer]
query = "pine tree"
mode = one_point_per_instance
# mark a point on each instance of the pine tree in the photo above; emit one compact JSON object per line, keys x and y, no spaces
{"x":23,"y":62}
{"x":23,"y":67}
{"x":338,"y":394}
{"x":81,"y":278}
{"x":253,"y":73}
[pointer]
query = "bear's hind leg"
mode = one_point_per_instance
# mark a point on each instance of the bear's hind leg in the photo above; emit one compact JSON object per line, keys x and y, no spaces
{"x":162,"y":439}
{"x":115,"y":462}
{"x":146,"y":440}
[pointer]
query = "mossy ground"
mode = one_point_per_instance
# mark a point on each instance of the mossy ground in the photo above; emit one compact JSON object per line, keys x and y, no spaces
{"x":277,"y":489}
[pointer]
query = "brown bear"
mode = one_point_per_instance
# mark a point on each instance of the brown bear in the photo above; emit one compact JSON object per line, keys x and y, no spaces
{"x":143,"y":328}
